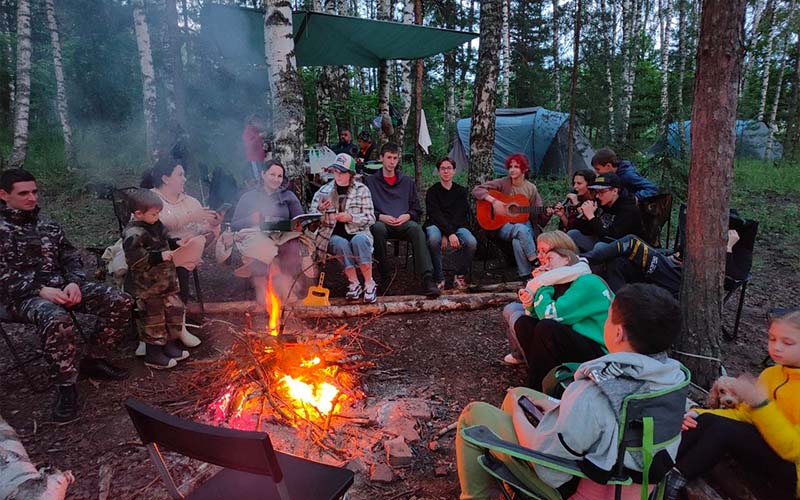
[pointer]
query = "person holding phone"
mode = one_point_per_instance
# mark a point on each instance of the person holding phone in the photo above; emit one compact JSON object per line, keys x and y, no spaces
{"x":641,"y":326}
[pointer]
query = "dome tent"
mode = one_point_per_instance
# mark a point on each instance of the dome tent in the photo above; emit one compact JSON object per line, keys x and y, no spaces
{"x":538,"y":133}
{"x":751,"y":141}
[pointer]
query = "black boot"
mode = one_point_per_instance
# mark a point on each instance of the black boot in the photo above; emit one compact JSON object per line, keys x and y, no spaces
{"x":174,"y":350}
{"x":155,"y":357}
{"x":101,"y":369}
{"x":65,"y":408}
{"x":429,"y":288}
{"x":674,"y":483}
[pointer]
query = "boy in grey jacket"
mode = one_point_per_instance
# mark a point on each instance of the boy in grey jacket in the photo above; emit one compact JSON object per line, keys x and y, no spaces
{"x":642,"y":323}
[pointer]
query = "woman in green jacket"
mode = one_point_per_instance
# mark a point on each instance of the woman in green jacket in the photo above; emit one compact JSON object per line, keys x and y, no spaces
{"x":562,"y":323}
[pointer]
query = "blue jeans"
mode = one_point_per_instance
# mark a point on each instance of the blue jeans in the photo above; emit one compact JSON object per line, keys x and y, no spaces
{"x":584,"y":242}
{"x":511,"y":313}
{"x":463,"y":255}
{"x":521,"y":238}
{"x":357,"y":251}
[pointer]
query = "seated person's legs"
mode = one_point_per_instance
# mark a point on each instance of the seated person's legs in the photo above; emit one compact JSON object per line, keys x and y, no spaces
{"x":413,"y":233}
{"x":475,"y":482}
{"x":466,"y":252}
{"x":521,"y":238}
{"x":112,"y":307}
{"x":550,"y":344}
{"x":434,"y":236}
{"x":380,"y":233}
{"x":58,"y":331}
{"x":362,"y":250}
{"x":511,"y":314}
{"x":583,"y":241}
{"x":704,"y":446}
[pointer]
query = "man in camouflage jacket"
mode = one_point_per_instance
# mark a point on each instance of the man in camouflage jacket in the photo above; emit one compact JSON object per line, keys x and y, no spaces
{"x":41,"y":281}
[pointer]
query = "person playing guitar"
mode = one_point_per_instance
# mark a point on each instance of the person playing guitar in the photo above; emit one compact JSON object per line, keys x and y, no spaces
{"x":569,"y":211}
{"x":520,"y":232}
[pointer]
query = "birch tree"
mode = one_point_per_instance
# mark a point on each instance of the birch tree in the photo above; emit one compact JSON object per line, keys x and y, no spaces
{"x":61,"y":89}
{"x":719,"y":63}
{"x":771,"y":123}
{"x":174,"y":123}
{"x":506,"y":75}
{"x":608,"y":50}
{"x":482,"y":129}
{"x":149,"y":94}
{"x":324,"y":85}
{"x":664,"y":20}
{"x":682,"y":14}
{"x":387,"y":130}
{"x":286,"y":92}
{"x":752,"y":38}
{"x":767,"y":60}
{"x":556,"y":56}
{"x":7,"y":59}
{"x":22,"y":95}
{"x":450,"y":63}
{"x":793,"y":132}
{"x":405,"y":80}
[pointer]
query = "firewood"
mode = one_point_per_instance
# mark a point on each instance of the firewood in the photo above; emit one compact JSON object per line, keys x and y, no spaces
{"x":385,"y":305}
{"x":20,"y":479}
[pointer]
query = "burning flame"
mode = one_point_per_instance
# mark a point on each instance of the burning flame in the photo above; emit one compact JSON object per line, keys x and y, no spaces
{"x":273,"y":307}
{"x":320,"y":396}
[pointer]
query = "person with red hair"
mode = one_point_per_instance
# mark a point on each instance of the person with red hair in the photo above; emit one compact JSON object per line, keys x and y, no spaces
{"x":521,"y":236}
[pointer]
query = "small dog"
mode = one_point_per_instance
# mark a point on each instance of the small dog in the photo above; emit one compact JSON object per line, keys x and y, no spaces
{"x":722,"y":395}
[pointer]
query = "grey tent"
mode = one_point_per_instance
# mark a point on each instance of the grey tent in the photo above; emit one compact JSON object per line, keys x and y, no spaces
{"x":540,"y":134}
{"x":751,"y":141}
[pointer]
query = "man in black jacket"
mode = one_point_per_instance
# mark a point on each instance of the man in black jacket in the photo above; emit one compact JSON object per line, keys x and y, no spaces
{"x":41,"y":280}
{"x":610,"y":217}
{"x":446,"y":226}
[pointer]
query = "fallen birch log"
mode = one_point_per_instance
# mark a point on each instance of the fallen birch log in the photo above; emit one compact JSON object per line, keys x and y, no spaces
{"x":19,"y":479}
{"x":507,"y":286}
{"x":385,"y":305}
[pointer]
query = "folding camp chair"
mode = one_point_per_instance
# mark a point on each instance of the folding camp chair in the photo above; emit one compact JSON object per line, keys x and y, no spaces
{"x":738,"y":263}
{"x":251,"y":468}
{"x":122,"y":213}
{"x":648,"y":424}
{"x":18,"y":363}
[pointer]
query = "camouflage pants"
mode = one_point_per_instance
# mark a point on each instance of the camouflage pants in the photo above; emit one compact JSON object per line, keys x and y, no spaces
{"x":159,"y":319}
{"x":112,"y":307}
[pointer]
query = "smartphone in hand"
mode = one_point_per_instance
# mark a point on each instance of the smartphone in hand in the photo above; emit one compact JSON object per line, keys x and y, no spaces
{"x":533,"y":414}
{"x":223,"y":208}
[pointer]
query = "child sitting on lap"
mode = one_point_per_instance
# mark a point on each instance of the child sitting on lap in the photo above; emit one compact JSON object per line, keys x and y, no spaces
{"x":763,"y":432}
{"x":153,"y":281}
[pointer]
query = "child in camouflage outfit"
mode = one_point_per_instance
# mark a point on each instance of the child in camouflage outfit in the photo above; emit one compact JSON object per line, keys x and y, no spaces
{"x":153,"y":281}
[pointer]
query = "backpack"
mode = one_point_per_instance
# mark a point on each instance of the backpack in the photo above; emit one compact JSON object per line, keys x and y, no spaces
{"x":556,"y":381}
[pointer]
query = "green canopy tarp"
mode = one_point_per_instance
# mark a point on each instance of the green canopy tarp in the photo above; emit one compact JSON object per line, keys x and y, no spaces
{"x":326,"y":39}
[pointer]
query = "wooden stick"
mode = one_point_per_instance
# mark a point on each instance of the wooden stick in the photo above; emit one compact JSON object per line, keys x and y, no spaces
{"x":386,"y":305}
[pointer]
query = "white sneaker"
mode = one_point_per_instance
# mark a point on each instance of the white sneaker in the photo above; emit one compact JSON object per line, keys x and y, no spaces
{"x":354,"y":291}
{"x":141,"y":350}
{"x":371,"y":294}
{"x":512,"y":360}
{"x":460,"y":282}
{"x":440,"y":285}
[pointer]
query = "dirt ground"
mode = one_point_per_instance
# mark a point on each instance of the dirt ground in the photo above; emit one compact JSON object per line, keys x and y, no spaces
{"x":448,"y":358}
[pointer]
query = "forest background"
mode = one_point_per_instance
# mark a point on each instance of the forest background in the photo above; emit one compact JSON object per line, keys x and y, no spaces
{"x":634,"y":74}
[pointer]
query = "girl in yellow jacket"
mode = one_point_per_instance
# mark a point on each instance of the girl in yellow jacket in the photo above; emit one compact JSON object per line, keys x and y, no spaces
{"x":762,"y":432}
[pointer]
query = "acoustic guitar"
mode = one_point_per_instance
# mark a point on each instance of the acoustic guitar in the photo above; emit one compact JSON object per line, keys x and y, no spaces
{"x":517,"y":206}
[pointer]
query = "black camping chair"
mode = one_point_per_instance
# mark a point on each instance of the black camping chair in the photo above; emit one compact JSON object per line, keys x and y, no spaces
{"x":20,"y":364}
{"x":738,"y":263}
{"x":656,"y":211}
{"x":122,"y":213}
{"x":251,"y":467}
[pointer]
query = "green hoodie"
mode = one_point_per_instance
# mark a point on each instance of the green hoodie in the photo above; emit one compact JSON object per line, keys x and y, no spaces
{"x":584,"y":306}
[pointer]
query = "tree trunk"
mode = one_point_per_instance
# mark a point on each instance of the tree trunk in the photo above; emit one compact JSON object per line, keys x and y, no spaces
{"x":664,"y":21}
{"x":287,"y":94}
{"x":61,"y":90}
{"x":608,"y":50}
{"x":387,"y":130}
{"x":482,"y":130}
{"x":506,"y":55}
{"x":325,"y":85}
{"x":771,"y":124}
{"x":719,"y":63}
{"x":573,"y":87}
{"x":419,"y":80}
{"x":466,"y":62}
{"x":762,"y":107}
{"x":681,"y":74}
{"x":556,"y":78}
{"x":793,"y":134}
{"x":752,"y":38}
{"x":627,"y":70}
{"x":405,"y":82}
{"x":19,"y":477}
{"x":22,"y":96}
{"x":149,"y":96}
{"x":174,"y":133}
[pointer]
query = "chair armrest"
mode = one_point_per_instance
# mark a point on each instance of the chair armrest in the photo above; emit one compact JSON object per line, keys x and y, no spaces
{"x":482,"y":437}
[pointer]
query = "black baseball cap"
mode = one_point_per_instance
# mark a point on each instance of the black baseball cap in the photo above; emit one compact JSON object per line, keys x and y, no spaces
{"x":604,"y":181}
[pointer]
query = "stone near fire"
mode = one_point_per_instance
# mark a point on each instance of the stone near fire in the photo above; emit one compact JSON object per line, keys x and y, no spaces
{"x":404,"y":428}
{"x":357,"y":465}
{"x":398,"y":454}
{"x":417,"y":408}
{"x":397,"y":420}
{"x":381,"y":473}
